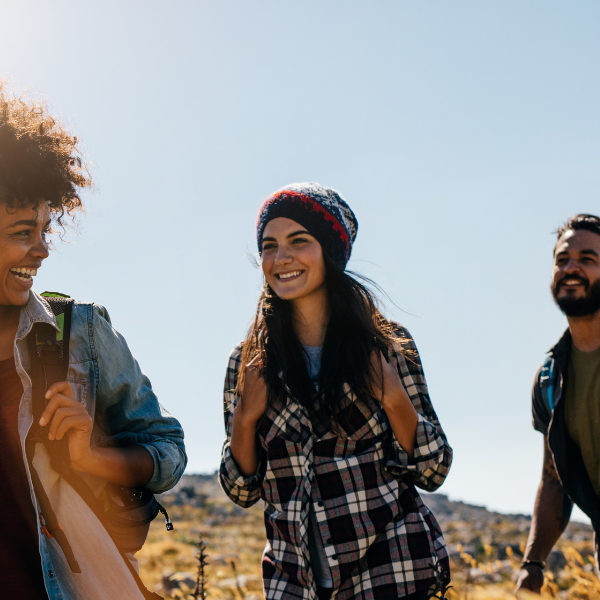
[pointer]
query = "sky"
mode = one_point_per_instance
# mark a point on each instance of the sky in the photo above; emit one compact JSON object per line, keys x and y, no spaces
{"x":461,"y":133}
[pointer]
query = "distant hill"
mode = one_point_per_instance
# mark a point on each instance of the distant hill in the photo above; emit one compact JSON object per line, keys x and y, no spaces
{"x":469,"y":525}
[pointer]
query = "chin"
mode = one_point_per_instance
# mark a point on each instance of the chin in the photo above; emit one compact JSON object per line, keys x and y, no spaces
{"x":18,"y":300}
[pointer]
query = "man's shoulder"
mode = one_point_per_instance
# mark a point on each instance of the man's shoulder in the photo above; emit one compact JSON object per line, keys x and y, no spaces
{"x":542,"y":394}
{"x":554,"y":359}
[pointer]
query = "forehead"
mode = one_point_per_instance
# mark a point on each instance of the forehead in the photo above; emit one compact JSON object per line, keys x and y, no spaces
{"x":39,"y":213}
{"x":576,"y":241}
{"x":281,"y":226}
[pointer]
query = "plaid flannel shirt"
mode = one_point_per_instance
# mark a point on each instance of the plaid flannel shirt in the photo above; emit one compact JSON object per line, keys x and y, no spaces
{"x":381,"y":541}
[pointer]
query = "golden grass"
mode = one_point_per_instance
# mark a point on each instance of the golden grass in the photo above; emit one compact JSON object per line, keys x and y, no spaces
{"x":235,"y":540}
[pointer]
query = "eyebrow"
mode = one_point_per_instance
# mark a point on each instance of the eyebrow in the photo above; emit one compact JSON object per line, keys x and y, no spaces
{"x":584,"y":251}
{"x":27,"y":222}
{"x":291,"y":235}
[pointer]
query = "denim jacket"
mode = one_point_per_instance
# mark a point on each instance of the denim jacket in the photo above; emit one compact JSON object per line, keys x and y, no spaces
{"x":107,"y":379}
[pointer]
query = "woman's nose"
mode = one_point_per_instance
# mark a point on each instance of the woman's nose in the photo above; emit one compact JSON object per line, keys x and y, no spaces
{"x":41,"y":248}
{"x":283,"y":256}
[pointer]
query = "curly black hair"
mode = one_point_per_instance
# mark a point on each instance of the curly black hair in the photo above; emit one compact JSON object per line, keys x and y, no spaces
{"x":579,"y":222}
{"x":39,"y":159}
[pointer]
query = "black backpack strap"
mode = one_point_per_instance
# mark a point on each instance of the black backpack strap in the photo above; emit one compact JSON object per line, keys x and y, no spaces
{"x":50,"y":351}
{"x":49,"y":357}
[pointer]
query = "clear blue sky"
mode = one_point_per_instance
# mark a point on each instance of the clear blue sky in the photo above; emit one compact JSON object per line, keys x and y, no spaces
{"x":462,"y":134}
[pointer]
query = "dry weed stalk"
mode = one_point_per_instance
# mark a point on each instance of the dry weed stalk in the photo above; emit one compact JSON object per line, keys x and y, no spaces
{"x":201,"y":557}
{"x":238,"y":587}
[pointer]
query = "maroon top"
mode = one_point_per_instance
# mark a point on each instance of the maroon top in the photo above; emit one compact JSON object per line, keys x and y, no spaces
{"x":20,"y":562}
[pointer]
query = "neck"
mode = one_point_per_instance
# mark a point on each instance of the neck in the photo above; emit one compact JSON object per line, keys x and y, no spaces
{"x":585,"y":332}
{"x":311,"y":316}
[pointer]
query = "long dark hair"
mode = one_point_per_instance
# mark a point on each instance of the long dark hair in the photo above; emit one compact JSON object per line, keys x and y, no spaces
{"x":356,"y":327}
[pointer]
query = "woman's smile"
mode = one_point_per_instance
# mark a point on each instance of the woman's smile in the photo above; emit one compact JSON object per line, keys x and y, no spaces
{"x":24,"y":276}
{"x":289,"y":276}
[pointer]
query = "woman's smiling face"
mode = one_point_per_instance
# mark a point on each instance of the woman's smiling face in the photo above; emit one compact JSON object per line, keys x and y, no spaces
{"x":292,"y":260}
{"x":23,"y":247}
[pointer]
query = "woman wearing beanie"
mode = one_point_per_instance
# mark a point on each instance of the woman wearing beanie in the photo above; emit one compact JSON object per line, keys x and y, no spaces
{"x":328,"y":420}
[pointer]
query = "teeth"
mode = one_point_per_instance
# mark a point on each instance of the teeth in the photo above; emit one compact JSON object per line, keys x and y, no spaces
{"x":24,"y":274}
{"x":288,"y":275}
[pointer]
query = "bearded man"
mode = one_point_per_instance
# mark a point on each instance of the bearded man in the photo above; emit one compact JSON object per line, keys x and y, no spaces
{"x":566,"y":399}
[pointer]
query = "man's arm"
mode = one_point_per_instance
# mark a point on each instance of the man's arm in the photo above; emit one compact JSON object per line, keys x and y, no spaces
{"x":550,"y":518}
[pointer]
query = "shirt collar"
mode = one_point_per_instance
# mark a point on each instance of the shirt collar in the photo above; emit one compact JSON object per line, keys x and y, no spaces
{"x":37,"y":310}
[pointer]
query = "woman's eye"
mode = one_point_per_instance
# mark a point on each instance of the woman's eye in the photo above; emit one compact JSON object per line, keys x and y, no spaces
{"x":299,"y":240}
{"x":268,"y":247}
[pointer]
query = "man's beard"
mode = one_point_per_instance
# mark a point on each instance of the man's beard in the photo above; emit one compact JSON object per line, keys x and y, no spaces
{"x":582,"y":306}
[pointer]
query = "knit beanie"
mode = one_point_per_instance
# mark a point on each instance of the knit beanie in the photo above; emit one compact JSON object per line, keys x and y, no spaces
{"x":322,"y":211}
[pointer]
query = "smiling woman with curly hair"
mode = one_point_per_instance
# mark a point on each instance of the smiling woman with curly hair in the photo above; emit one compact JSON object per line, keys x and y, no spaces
{"x":59,"y":540}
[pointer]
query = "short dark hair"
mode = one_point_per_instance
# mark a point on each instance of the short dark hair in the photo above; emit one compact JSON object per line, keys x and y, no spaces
{"x":578,"y":222}
{"x":39,"y":159}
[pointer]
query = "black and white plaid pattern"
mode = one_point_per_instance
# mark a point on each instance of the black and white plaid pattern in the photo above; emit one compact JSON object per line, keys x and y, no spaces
{"x":381,"y":541}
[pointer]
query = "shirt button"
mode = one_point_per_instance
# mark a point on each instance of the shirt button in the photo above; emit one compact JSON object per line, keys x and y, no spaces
{"x":328,"y":541}
{"x":334,"y":557}
{"x":319,"y":503}
{"x":51,"y":574}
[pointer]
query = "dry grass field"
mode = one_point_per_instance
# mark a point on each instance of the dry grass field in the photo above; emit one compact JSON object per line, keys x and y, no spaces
{"x":485,"y":549}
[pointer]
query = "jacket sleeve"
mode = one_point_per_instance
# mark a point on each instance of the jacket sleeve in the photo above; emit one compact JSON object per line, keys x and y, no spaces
{"x":244,"y":491}
{"x":127,"y":409}
{"x":432,"y":456}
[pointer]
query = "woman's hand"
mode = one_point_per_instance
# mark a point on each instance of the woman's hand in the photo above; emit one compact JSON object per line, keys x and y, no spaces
{"x":387,"y":387}
{"x":253,"y":402}
{"x":249,"y":410}
{"x":131,"y":466}
{"x":64,"y":415}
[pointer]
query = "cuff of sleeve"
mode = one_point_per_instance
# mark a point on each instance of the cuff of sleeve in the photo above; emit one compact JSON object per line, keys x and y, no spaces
{"x":168,"y":466}
{"x":233,"y":473}
{"x":426,"y":455}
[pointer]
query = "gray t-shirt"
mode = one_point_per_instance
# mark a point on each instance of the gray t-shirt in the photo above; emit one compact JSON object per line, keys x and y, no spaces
{"x":316,"y":550}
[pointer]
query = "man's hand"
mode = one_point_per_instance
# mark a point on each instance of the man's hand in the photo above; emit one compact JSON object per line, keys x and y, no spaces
{"x":531,"y":578}
{"x":65,"y":416}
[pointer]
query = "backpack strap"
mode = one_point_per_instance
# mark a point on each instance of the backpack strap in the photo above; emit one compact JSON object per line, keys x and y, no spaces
{"x":547,"y":381}
{"x":49,"y":351}
{"x":49,"y":355}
